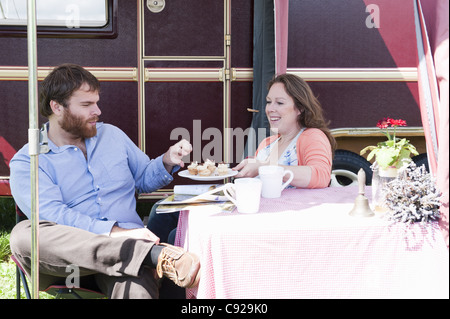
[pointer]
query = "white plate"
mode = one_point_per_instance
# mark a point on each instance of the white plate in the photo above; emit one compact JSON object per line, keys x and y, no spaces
{"x":212,"y":177}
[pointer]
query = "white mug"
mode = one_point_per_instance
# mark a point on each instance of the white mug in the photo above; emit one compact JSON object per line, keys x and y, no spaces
{"x":245,"y":193}
{"x":272,"y":180}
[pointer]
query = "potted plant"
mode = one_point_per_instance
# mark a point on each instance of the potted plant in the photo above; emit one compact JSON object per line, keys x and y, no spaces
{"x":394,"y":153}
{"x":390,"y":156}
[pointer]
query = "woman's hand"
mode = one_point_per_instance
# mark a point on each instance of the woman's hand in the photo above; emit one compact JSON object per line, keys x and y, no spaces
{"x":248,"y":168}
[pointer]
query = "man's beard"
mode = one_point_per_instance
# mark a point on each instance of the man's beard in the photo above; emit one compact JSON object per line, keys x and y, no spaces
{"x":77,"y":126}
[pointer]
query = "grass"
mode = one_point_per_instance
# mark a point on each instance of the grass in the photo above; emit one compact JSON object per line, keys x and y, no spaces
{"x":5,"y":250}
{"x":8,"y":282}
{"x":7,"y":222}
{"x":7,"y":213}
{"x":7,"y":266}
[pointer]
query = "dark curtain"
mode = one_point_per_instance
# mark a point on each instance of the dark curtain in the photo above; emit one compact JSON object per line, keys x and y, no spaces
{"x":263,"y":70}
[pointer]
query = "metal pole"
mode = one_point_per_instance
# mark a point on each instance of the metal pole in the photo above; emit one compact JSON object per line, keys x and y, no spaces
{"x":227,"y":138}
{"x":33,"y":142}
{"x":141,"y":75}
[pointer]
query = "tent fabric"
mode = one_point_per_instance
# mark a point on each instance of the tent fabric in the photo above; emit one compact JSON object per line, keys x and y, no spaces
{"x":428,"y":94}
{"x":270,"y":49}
{"x":281,"y":35}
{"x":441,"y":58}
{"x":263,"y":70}
{"x":433,"y":17}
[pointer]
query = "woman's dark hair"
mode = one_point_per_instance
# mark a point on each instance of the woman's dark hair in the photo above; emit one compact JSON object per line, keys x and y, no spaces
{"x":60,"y":84}
{"x":311,"y":113}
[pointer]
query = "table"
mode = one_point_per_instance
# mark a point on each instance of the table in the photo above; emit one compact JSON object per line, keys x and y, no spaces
{"x":305,"y":245}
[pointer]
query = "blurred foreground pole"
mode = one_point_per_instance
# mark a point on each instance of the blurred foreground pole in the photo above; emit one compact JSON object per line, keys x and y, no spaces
{"x":33,"y":140}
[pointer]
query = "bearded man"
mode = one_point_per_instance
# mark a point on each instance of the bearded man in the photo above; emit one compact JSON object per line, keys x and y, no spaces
{"x":87,"y":206}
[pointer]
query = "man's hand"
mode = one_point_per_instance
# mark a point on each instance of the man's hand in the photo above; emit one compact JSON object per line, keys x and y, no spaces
{"x":136,"y":233}
{"x":174,"y":155}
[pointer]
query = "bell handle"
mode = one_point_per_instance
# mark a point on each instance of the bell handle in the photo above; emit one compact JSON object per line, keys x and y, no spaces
{"x":361,"y":181}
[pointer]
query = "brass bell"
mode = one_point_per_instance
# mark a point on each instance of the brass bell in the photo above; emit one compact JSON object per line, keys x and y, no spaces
{"x":361,"y":207}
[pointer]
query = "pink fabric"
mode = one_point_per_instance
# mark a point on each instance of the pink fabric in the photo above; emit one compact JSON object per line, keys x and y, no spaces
{"x":281,"y":35}
{"x":305,"y":245}
{"x":436,"y":15}
{"x":441,"y":58}
{"x":430,"y":118}
{"x":391,"y":14}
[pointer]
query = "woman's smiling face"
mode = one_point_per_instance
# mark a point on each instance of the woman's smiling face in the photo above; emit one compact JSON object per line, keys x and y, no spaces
{"x":281,"y":111}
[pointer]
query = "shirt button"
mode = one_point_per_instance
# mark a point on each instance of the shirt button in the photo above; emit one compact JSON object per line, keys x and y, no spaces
{"x":75,"y":149}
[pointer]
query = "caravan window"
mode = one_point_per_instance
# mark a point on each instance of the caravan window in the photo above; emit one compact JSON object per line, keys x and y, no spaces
{"x":61,"y":16}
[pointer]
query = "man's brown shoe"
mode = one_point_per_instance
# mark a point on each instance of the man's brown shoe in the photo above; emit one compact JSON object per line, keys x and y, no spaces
{"x":180,"y":266}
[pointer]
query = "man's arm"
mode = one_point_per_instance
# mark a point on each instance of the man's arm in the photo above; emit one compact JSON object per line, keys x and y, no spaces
{"x":151,"y":175}
{"x":51,"y":204}
{"x":136,"y":233}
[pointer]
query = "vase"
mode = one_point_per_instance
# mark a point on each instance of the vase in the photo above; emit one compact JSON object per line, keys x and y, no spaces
{"x":380,"y":178}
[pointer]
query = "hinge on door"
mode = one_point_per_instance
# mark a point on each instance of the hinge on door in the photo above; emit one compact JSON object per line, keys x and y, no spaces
{"x":227,"y":40}
{"x":227,"y":75}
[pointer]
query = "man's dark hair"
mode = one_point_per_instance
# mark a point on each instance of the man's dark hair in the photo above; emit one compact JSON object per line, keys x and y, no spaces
{"x":60,"y":84}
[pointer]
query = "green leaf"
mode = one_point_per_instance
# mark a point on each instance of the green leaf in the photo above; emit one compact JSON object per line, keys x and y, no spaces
{"x":365,"y":149}
{"x":386,"y":157}
{"x":371,"y":154}
{"x":401,"y":143}
{"x":412,"y":149}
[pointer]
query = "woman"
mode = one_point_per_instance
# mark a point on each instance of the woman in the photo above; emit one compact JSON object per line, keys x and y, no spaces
{"x":302,"y":139}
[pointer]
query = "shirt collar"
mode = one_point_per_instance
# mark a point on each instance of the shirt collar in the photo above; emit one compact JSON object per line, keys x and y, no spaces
{"x":56,"y":149}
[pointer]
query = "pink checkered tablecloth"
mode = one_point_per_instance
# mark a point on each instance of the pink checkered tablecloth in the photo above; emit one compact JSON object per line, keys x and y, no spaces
{"x":305,"y":245}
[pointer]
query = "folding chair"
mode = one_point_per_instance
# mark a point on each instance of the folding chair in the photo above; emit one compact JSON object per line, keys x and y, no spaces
{"x":59,"y":291}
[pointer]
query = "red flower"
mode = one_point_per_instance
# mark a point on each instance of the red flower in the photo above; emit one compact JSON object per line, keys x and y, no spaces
{"x":398,"y":122}
{"x":383,"y":123}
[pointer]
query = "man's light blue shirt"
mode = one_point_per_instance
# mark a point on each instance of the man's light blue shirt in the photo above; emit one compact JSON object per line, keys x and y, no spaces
{"x":94,"y":193}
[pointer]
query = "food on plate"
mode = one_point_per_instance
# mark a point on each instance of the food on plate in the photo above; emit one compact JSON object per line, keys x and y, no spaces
{"x":211,"y":165}
{"x":208,"y":168}
{"x":193,"y":170}
{"x":203,"y":170}
{"x":222,"y":169}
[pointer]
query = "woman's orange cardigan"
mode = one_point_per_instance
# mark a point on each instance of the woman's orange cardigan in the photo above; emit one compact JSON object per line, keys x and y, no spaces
{"x":313,"y":150}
